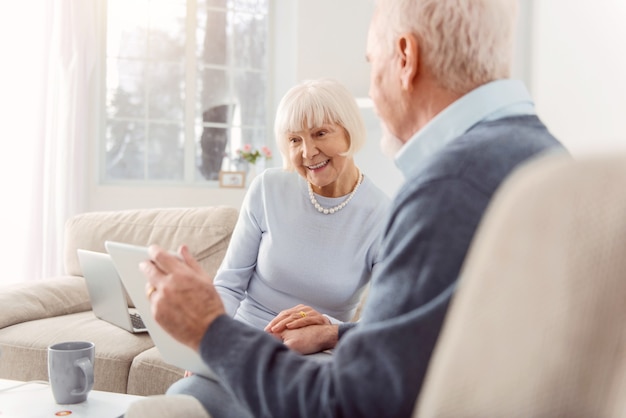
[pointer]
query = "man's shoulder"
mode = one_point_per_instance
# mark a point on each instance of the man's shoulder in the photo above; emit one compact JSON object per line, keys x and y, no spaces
{"x":493,"y":148}
{"x":523,"y":132}
{"x":486,"y":154}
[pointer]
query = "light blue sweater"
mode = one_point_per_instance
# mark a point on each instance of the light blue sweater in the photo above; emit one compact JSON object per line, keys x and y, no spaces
{"x":284,"y":252}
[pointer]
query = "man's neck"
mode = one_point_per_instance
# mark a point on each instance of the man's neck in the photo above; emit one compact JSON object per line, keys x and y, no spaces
{"x":427,"y":99}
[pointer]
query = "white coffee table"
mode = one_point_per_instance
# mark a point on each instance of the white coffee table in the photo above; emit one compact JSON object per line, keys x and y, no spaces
{"x":35,"y":400}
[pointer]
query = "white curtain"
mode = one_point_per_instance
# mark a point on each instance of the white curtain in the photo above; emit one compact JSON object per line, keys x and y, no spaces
{"x":53,"y":84}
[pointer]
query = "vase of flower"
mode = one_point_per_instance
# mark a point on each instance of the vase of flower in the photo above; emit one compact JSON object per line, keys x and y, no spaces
{"x":250,"y":156}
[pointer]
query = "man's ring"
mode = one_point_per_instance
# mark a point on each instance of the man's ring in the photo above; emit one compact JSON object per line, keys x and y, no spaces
{"x":302,"y":313}
{"x":150,"y":291}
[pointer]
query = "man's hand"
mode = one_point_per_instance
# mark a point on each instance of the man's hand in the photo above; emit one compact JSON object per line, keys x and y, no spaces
{"x":310,"y":339}
{"x":184,"y":301}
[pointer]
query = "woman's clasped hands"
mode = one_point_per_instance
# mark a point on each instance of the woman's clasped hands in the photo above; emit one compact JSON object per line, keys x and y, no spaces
{"x":303,"y":329}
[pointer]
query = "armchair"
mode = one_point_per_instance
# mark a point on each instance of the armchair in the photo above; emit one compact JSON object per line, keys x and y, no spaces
{"x":536,"y":327}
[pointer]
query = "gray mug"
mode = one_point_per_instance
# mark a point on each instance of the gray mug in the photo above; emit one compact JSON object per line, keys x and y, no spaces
{"x":70,"y":371}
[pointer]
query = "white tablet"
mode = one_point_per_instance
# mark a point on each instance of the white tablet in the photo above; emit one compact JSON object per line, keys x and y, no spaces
{"x":126,"y":258}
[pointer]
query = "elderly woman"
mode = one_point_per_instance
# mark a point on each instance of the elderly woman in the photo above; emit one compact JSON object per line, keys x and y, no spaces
{"x":308,"y":233}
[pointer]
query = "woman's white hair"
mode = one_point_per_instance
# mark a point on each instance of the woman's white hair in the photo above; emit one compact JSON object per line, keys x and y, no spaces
{"x":313,"y":103}
{"x":465,"y":43}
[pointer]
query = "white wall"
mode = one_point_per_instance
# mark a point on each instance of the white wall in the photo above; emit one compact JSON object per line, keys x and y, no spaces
{"x":332,"y":36}
{"x":579,"y":72}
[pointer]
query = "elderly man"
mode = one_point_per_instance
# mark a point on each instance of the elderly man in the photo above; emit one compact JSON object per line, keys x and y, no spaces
{"x":439,"y":81}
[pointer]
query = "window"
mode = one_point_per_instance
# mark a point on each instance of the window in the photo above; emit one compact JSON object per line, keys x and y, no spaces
{"x":186,"y":85}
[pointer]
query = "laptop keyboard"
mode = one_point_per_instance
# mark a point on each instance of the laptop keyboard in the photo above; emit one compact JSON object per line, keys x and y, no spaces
{"x":137,"y":322}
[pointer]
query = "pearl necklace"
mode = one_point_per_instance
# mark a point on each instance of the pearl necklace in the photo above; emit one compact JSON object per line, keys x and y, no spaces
{"x":330,"y":211}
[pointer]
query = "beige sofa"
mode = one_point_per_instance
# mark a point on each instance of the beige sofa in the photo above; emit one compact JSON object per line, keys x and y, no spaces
{"x":35,"y":314}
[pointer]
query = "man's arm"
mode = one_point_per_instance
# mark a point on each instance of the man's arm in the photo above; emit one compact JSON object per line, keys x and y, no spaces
{"x":315,"y":338}
{"x":375,"y":372}
{"x":311,"y":339}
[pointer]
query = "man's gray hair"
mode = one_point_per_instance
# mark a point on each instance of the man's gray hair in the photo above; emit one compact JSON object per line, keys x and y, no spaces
{"x":465,"y":43}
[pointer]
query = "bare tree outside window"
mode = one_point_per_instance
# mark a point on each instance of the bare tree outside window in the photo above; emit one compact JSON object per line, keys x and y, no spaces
{"x":167,"y":57}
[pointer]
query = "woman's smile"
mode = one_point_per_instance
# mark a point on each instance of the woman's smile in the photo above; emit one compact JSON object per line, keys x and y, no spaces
{"x":318,"y":166}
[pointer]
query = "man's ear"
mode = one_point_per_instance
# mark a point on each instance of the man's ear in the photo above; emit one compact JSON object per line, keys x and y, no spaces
{"x":408,"y":49}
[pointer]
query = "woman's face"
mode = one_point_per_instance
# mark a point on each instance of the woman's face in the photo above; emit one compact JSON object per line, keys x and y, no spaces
{"x":315,"y":155}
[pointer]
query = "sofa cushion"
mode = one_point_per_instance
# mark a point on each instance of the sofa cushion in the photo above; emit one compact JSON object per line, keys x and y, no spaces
{"x":24,"y":348}
{"x":149,"y":374}
{"x":206,"y":231}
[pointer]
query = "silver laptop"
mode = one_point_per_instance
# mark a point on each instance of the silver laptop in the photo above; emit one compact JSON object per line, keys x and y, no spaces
{"x":108,"y":297}
{"x":126,"y":259}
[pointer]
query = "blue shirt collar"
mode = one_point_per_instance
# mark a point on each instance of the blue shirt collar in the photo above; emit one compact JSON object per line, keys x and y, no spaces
{"x":491,"y":101}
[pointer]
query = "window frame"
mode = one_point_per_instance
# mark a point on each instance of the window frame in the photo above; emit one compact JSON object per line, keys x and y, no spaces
{"x":190,"y":122}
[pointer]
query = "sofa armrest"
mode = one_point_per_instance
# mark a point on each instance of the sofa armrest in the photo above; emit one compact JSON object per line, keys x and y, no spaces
{"x":27,"y":301}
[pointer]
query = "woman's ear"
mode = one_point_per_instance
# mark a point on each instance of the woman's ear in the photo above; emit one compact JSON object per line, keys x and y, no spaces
{"x":408,"y":49}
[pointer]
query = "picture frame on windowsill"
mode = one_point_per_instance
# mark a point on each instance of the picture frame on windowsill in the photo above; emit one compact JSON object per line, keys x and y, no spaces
{"x":233,"y":179}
